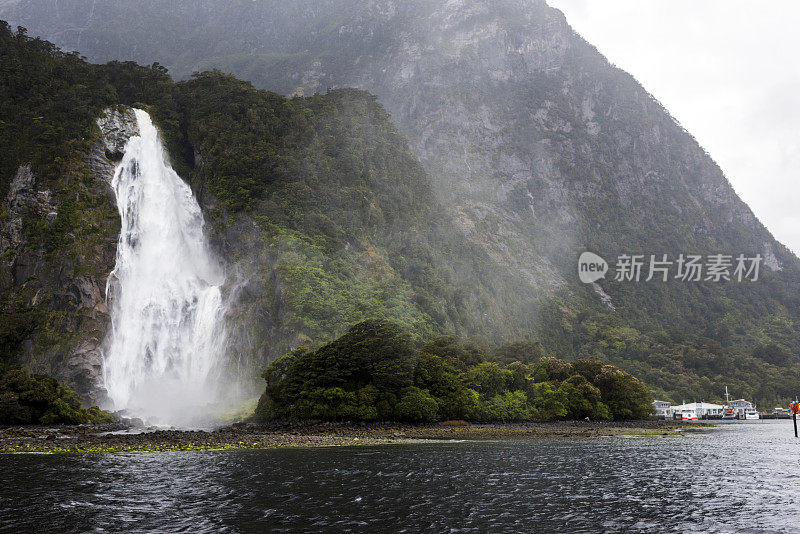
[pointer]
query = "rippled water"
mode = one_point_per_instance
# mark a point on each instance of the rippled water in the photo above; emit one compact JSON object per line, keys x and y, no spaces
{"x":740,"y":477}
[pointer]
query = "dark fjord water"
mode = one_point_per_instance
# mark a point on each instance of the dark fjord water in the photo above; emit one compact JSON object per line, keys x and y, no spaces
{"x":740,"y":477}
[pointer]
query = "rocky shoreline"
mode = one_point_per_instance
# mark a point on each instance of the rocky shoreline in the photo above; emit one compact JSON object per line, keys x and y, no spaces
{"x":121,"y":438}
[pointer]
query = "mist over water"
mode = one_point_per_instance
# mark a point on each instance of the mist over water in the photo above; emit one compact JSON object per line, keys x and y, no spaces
{"x":163,"y":355}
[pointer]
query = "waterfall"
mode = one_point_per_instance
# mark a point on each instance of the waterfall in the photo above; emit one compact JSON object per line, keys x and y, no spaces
{"x":167,"y":333}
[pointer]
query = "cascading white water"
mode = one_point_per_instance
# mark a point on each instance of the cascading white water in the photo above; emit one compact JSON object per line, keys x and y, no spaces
{"x":167,"y":334}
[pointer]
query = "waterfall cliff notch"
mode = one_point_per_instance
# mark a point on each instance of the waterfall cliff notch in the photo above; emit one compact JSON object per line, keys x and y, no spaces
{"x":164,"y":352}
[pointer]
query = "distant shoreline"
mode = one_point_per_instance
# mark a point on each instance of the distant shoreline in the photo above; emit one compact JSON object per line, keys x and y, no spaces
{"x":118,"y":438}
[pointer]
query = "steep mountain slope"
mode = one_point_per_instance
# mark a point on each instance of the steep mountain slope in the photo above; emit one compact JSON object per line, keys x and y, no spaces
{"x":538,"y":149}
{"x":539,"y":146}
{"x":328,"y":219}
{"x":319,"y":211}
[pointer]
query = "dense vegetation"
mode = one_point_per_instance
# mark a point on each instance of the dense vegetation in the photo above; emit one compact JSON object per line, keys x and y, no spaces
{"x":321,"y":207}
{"x":49,"y":101}
{"x":679,"y":366}
{"x":316,"y":200}
{"x":343,"y":208}
{"x":374,"y":372}
{"x":38,"y":399}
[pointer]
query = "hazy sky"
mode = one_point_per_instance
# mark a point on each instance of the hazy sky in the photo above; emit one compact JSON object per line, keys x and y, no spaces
{"x":727,"y":70}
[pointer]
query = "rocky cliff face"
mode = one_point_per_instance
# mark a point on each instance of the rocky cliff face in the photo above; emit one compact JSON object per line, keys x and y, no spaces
{"x":537,"y":149}
{"x":64,"y":291}
{"x":535,"y":143}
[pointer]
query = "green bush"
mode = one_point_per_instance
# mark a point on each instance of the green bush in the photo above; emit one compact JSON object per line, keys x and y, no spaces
{"x":550,"y":401}
{"x":583,"y":399}
{"x":38,"y":399}
{"x":373,"y":373}
{"x":509,"y":406}
{"x":416,"y":406}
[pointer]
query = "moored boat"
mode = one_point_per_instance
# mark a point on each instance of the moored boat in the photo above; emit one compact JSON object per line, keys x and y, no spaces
{"x":781,"y":413}
{"x":689,"y":415}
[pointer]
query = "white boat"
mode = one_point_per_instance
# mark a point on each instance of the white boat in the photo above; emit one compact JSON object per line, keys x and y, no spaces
{"x":738,"y":409}
{"x":688,"y":415}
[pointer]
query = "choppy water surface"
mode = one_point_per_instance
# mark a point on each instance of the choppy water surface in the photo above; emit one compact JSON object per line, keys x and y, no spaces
{"x":741,"y":477}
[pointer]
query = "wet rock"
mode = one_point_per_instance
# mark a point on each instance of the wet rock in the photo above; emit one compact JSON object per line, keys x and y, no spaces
{"x":86,"y":293}
{"x":23,"y":201}
{"x":24,"y":267}
{"x":84,"y":369}
{"x":118,"y":124}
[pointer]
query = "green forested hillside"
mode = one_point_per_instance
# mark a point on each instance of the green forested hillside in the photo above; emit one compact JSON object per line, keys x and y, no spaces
{"x":321,"y":212}
{"x":344,"y":210}
{"x":49,"y":103}
{"x":325,"y":218}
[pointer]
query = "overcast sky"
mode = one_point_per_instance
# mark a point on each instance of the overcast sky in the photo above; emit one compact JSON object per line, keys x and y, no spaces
{"x":727,"y":70}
